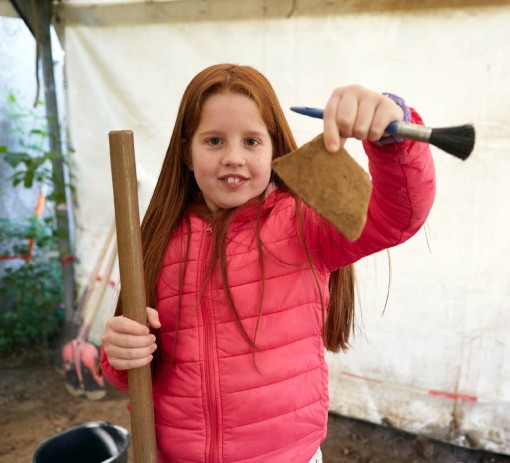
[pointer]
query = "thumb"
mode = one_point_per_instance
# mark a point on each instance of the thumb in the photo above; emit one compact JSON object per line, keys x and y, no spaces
{"x":333,"y":141}
{"x":153,"y":318}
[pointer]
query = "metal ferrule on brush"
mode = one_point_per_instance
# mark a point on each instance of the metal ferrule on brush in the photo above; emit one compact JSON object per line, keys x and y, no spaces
{"x":412,"y":131}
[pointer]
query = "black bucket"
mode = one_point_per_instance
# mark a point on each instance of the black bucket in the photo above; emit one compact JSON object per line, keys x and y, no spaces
{"x":95,"y":442}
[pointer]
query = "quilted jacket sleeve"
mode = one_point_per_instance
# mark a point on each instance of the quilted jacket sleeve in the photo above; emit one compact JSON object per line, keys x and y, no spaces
{"x":403,"y":190}
{"x":116,"y":378}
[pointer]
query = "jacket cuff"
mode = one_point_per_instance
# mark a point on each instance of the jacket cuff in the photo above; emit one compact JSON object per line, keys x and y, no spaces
{"x":407,"y":118}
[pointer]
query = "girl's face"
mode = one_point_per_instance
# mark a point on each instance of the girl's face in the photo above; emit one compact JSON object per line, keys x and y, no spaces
{"x":231,"y":151}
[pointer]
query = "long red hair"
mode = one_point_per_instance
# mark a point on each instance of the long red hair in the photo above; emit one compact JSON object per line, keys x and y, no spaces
{"x":176,"y":191}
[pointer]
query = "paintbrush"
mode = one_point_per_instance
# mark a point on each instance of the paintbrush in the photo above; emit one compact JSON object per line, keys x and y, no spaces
{"x":458,"y":141}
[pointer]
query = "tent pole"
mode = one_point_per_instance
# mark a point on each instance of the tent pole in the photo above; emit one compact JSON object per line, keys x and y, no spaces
{"x":39,"y":23}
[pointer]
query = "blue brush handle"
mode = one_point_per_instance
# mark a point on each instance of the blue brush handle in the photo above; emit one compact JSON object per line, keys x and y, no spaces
{"x":319,"y":114}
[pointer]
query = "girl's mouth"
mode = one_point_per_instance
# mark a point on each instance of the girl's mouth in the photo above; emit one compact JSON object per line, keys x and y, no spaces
{"x":233,"y":179}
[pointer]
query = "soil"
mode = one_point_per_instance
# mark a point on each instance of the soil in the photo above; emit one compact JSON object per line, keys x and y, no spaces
{"x":35,"y":406}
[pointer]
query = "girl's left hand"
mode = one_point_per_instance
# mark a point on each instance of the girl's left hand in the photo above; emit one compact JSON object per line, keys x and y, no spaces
{"x":357,"y":112}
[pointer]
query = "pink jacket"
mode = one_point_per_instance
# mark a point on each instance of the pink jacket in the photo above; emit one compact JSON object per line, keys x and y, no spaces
{"x":217,"y":402}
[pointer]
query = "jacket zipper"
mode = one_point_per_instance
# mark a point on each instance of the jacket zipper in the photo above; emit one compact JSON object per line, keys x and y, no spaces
{"x":209,"y":346}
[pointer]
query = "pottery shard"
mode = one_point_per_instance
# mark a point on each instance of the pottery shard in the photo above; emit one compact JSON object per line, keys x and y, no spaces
{"x":333,"y":184}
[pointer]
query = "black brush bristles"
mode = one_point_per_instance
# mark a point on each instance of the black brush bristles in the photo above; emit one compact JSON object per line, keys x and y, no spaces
{"x":458,"y":141}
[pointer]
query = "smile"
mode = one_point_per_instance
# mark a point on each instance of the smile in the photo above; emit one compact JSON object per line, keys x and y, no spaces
{"x":233,"y":180}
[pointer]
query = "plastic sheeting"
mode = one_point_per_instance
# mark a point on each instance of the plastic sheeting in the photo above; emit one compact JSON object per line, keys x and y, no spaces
{"x":437,"y":362}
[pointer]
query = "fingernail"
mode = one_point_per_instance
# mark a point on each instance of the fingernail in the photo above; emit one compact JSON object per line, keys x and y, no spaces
{"x":333,"y":146}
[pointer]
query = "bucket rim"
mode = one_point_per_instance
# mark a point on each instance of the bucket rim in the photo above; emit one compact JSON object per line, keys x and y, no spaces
{"x":89,"y":425}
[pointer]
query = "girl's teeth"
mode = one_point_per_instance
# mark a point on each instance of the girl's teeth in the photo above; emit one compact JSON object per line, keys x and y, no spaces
{"x":232,"y":180}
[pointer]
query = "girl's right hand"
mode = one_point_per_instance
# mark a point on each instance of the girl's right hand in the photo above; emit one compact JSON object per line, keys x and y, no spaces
{"x":129,"y":344}
{"x":357,"y":112}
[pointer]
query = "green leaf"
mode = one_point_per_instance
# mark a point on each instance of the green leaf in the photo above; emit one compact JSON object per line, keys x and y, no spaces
{"x":39,"y":132}
{"x":38,"y":161}
{"x":13,"y":158}
{"x":37,"y":148}
{"x":29,"y":179}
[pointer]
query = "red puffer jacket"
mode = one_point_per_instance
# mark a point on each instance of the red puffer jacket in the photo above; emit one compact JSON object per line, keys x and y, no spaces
{"x":217,"y":401}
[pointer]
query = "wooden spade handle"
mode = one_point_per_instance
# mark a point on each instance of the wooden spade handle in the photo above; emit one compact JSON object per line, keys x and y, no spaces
{"x":97,"y":268}
{"x":98,"y":296}
{"x":129,"y":243}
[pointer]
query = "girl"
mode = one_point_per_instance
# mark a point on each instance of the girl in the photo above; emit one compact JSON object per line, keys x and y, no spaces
{"x":246,"y":283}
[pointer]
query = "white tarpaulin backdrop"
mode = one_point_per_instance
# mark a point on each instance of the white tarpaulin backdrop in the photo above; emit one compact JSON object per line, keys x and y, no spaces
{"x":437,"y":362}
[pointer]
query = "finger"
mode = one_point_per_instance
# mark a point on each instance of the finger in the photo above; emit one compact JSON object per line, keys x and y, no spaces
{"x":120,"y":364}
{"x":379,"y":124}
{"x":386,"y":112}
{"x":125,"y":325}
{"x":153,"y":318}
{"x":128,"y":341}
{"x":332,"y":139}
{"x":125,"y":358}
{"x":364,"y":118}
{"x":122,"y":353}
{"x":346,"y":115}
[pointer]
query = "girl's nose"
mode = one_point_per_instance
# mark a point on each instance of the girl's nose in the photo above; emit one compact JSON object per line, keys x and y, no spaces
{"x":233,"y":155}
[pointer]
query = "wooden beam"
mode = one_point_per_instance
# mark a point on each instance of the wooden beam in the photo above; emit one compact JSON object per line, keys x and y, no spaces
{"x":161,"y":12}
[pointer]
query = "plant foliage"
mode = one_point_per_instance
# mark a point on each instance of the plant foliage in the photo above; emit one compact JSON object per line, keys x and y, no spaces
{"x":31,"y":289}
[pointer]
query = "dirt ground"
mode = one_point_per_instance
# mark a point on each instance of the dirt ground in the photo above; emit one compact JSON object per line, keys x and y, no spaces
{"x":35,"y":405}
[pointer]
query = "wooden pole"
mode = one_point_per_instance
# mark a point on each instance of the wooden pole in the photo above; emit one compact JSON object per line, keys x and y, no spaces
{"x":129,"y":242}
{"x":37,"y":15}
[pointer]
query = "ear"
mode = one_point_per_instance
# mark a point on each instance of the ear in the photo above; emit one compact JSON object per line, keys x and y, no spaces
{"x":187,"y":154}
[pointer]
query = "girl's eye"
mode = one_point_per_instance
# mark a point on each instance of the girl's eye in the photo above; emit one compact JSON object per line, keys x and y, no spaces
{"x":215,"y":141}
{"x":252,"y":142}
